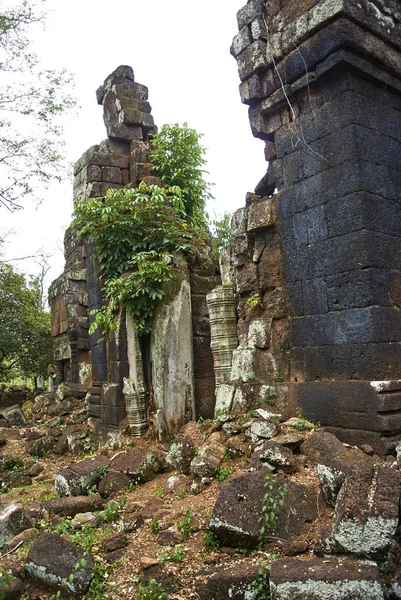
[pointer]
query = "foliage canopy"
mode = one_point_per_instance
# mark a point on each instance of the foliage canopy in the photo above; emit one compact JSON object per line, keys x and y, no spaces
{"x":136,"y":232}
{"x":31,"y":104}
{"x":178,"y":158}
{"x":25,"y":338}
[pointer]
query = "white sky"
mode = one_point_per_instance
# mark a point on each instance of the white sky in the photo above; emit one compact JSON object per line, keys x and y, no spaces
{"x":180,"y":50}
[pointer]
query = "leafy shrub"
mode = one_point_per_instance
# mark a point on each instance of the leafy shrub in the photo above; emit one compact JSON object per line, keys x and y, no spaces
{"x":151,"y":591}
{"x":178,"y":159}
{"x":186,"y":525}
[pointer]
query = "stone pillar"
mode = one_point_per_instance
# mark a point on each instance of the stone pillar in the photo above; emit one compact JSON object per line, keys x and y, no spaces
{"x":134,"y":386}
{"x":171,"y":352}
{"x":323,"y":82}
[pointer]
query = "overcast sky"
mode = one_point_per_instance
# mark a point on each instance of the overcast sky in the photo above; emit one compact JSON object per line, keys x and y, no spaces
{"x":180,"y":50}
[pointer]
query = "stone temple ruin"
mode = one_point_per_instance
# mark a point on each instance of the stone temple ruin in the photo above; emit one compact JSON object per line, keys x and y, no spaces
{"x":305,"y":314}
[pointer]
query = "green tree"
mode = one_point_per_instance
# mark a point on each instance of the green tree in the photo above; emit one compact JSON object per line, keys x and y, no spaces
{"x":31,"y":104}
{"x":178,"y":159}
{"x":136,"y":232}
{"x":25,"y":337}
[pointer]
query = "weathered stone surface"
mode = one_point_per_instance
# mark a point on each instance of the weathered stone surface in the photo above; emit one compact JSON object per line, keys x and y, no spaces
{"x":22,"y":538}
{"x":77,"y":479}
{"x":289,"y":440}
{"x":131,"y":523}
{"x":70,"y":390}
{"x":112,"y":483}
{"x":13,"y":520}
{"x":70,"y":506}
{"x":114,"y":542}
{"x":367,"y":510}
{"x":235,"y":516}
{"x":277,"y":457}
{"x":262,"y":430}
{"x":210,"y":456}
{"x":134,"y":389}
{"x":141,"y":463}
{"x":52,"y":560}
{"x":42,"y":447}
{"x":314,"y":579}
{"x":334,"y":461}
{"x":181,"y":453}
{"x":235,"y":583}
{"x":14,"y":416}
{"x":222,"y":318}
{"x":171,"y":352}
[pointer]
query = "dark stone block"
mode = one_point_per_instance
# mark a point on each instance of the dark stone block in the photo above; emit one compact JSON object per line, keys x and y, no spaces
{"x":113,"y":409}
{"x":373,"y":324}
{"x":314,"y":293}
{"x":345,"y":578}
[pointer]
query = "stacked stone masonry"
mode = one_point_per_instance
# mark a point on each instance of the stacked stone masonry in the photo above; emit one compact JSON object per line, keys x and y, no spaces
{"x":118,"y":374}
{"x":323,"y":83}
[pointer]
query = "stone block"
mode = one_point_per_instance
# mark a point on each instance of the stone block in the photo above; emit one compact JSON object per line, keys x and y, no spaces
{"x":113,"y":409}
{"x":317,"y":578}
{"x":180,"y":454}
{"x":252,"y":10}
{"x":262,"y":214}
{"x":209,"y":457}
{"x":78,"y":478}
{"x":139,"y":464}
{"x":53,"y":560}
{"x":13,"y":520}
{"x":366,"y":515}
{"x":235,"y":583}
{"x":235,"y":516}
{"x":241,"y":41}
{"x":334,"y":461}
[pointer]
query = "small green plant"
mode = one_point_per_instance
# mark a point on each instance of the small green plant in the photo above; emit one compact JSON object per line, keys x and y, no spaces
{"x":181,"y":492}
{"x":278,"y":377}
{"x":159,"y":492}
{"x":100,"y":586}
{"x":261,"y":585}
{"x":5,"y":581}
{"x":305,"y":425}
{"x":154,"y":524}
{"x":151,"y":591}
{"x":211,"y":541}
{"x":186,"y":525}
{"x":223,"y":472}
{"x":173,"y":555}
{"x":112,"y":511}
{"x":253,"y":301}
{"x":273,"y":500}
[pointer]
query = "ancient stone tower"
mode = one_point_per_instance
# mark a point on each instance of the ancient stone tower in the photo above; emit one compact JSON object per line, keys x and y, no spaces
{"x":169,"y":375}
{"x":320,"y":240}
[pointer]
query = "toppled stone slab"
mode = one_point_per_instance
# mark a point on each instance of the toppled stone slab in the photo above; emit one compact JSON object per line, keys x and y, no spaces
{"x":79,"y":478}
{"x":334,"y":461}
{"x":278,"y":458}
{"x":52,"y":560}
{"x":262,"y":430}
{"x":13,"y":520}
{"x":70,"y":390}
{"x":235,"y":516}
{"x":181,"y":453}
{"x":14,"y":416}
{"x":70,"y":506}
{"x":235,"y":583}
{"x":140,"y":464}
{"x":318,"y":579}
{"x":367,"y":512}
{"x":290,"y":440}
{"x":112,"y":483}
{"x":210,"y":456}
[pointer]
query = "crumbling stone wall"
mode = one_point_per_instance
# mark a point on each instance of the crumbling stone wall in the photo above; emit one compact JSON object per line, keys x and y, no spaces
{"x":123,"y":160}
{"x":323,"y":84}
